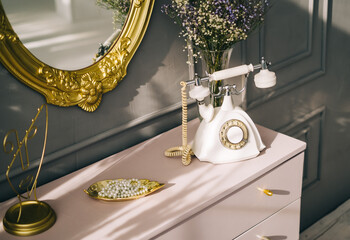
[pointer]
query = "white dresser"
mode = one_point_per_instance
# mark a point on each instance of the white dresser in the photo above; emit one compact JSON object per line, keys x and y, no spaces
{"x":248,"y":213}
{"x":200,"y":201}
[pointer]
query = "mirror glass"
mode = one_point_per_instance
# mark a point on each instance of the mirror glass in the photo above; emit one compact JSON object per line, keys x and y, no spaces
{"x":67,"y":34}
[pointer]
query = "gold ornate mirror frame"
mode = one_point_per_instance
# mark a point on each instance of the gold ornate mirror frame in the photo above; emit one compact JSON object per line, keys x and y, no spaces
{"x":83,"y":87}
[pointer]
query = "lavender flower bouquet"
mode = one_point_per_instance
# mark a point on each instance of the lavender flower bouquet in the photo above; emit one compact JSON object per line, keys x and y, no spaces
{"x":214,"y":26}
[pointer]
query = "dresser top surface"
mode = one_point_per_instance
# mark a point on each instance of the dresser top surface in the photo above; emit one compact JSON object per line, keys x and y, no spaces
{"x":188,"y":189}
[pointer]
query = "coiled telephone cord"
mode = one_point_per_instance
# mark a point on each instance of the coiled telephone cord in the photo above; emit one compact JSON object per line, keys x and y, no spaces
{"x":185,"y":150}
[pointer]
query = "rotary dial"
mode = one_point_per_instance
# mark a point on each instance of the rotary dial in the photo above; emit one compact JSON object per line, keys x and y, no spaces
{"x":234,"y":134}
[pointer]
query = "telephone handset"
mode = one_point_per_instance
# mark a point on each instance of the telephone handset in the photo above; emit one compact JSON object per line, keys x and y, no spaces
{"x":227,"y":133}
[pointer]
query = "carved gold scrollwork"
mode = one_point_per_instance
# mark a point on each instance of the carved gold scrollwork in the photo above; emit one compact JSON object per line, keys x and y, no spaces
{"x":91,"y":91}
{"x":138,"y":3}
{"x":62,"y":80}
{"x":113,"y":66}
{"x":83,"y":87}
{"x":87,"y":89}
{"x":5,"y":32}
{"x":63,"y":85}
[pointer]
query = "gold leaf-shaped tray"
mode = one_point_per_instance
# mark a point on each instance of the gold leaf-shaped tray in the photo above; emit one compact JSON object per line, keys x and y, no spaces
{"x":95,"y":188}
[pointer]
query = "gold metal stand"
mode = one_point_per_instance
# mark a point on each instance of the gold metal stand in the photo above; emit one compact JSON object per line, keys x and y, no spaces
{"x":27,"y":217}
{"x":36,"y":217}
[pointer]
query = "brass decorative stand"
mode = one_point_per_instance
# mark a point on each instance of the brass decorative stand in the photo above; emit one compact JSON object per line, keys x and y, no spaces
{"x":28,"y":217}
{"x":36,"y":217}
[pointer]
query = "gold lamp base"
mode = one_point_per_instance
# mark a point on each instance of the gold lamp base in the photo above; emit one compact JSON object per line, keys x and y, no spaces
{"x":36,"y":217}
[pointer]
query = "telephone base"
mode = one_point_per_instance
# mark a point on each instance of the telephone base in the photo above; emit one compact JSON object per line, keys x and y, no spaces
{"x":230,"y":137}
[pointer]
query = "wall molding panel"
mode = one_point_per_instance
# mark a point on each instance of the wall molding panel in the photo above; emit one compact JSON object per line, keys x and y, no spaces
{"x":300,"y":67}
{"x":309,"y":128}
{"x":289,"y":60}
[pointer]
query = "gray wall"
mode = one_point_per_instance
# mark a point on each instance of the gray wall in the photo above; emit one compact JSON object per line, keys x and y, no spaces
{"x":306,"y":40}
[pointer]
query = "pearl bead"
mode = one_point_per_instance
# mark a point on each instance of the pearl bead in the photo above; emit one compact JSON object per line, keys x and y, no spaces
{"x":123,"y":189}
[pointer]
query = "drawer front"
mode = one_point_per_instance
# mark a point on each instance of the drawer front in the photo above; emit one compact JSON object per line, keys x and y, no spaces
{"x":246,"y":207}
{"x":282,"y":225}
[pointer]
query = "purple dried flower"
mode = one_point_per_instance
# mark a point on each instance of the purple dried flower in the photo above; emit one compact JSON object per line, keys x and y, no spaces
{"x":216,"y":24}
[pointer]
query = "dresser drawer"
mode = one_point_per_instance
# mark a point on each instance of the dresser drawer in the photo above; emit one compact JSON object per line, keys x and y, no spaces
{"x":282,"y":225}
{"x":246,"y":207}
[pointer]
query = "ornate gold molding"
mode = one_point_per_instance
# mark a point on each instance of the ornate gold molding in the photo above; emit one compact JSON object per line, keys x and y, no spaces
{"x":138,"y":3}
{"x":83,"y":87}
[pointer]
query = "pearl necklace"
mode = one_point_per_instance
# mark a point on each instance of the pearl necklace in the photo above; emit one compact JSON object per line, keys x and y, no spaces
{"x":123,"y":188}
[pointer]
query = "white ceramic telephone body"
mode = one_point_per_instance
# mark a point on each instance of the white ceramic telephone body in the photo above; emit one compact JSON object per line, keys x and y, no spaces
{"x":227,"y":134}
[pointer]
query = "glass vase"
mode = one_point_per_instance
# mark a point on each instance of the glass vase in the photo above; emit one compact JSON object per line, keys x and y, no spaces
{"x":213,"y":61}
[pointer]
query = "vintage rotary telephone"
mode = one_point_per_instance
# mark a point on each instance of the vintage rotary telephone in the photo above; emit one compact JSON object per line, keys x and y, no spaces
{"x":226,"y":134}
